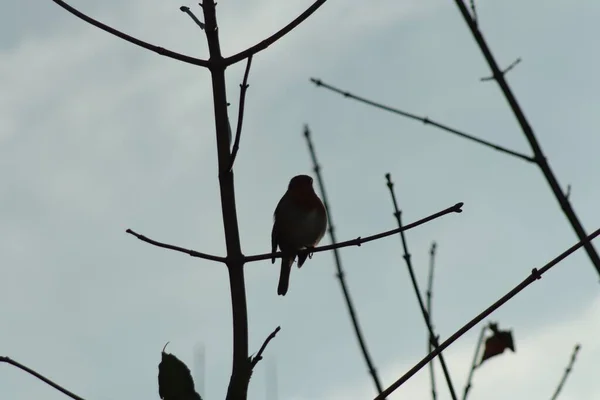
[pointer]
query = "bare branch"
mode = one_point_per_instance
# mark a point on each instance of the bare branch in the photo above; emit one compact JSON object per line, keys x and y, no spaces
{"x":192,"y":16}
{"x":539,"y":156}
{"x":238,"y":130}
{"x":567,"y":372}
{"x":475,"y":362}
{"x":429,"y":295}
{"x":362,"y":343}
{"x":359,"y":240}
{"x":411,"y":273}
{"x":40,"y":377}
{"x":535,"y":275}
{"x":276,"y":36}
{"x":504,"y":71}
{"x":160,"y":50}
{"x":258,"y":356}
{"x":192,"y":253}
{"x":425,"y":120}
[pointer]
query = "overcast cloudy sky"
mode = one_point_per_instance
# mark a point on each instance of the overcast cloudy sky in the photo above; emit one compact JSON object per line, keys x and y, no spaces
{"x":97,"y":136}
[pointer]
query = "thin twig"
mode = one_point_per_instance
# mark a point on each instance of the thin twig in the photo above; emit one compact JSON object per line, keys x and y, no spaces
{"x":340,"y":271}
{"x":425,"y":120}
{"x":40,"y":377}
{"x":475,"y":362}
{"x":360,"y":240}
{"x":504,"y":71}
{"x":258,"y":356}
{"x":238,"y":130}
{"x":192,"y":16}
{"x":276,"y":36}
{"x":429,"y":295}
{"x":192,"y":253}
{"x":567,"y":372}
{"x":539,"y":156}
{"x":474,"y":12}
{"x":411,"y":272}
{"x":535,"y":275}
{"x":159,"y":50}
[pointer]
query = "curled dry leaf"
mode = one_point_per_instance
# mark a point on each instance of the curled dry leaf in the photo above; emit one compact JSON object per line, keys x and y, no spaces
{"x":174,"y":379}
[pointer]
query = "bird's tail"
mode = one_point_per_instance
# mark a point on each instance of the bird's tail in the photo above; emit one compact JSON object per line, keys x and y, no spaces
{"x":284,"y":276}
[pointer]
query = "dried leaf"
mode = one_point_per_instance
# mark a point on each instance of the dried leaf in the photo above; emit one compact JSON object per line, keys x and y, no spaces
{"x":175,"y":380}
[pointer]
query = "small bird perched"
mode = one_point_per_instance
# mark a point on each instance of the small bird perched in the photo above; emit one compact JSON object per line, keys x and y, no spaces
{"x":300,"y":222}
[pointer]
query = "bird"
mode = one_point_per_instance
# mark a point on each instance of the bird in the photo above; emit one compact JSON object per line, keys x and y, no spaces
{"x":299,"y":222}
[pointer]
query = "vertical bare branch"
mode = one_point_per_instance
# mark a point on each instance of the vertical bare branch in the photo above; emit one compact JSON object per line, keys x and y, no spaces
{"x":238,"y":130}
{"x":411,"y":272}
{"x":534,"y":276}
{"x":241,"y":368}
{"x":474,"y":364}
{"x":539,"y":156}
{"x":567,"y":372}
{"x":338,"y":265}
{"x":429,"y":295}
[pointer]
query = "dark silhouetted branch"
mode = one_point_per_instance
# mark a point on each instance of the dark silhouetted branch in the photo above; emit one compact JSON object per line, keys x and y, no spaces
{"x":276,"y":36}
{"x":429,"y":295}
{"x":192,"y":16}
{"x":340,"y":271}
{"x":567,"y":372}
{"x":539,"y":156}
{"x":424,"y":120}
{"x":511,"y":66}
{"x":360,"y":240}
{"x":160,"y":50}
{"x":258,"y":356}
{"x":40,"y":377}
{"x":241,"y":368}
{"x":238,"y":130}
{"x":475,"y":362}
{"x":192,"y":253}
{"x":411,"y":272}
{"x":535,"y":275}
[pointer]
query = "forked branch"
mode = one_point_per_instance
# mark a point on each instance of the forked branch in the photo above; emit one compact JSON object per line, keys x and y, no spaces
{"x":238,"y":130}
{"x":159,"y":50}
{"x":258,"y":355}
{"x":535,"y":275}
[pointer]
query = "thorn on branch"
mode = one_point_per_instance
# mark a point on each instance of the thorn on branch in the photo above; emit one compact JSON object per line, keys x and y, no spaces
{"x":568,"y":192}
{"x":503,"y":72}
{"x":474,"y":12}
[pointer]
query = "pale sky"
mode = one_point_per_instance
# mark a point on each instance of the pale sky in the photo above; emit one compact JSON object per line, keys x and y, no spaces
{"x":97,"y":136}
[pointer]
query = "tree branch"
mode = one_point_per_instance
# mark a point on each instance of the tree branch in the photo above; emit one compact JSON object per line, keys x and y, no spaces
{"x":192,"y":16}
{"x":425,"y":120}
{"x":258,"y":356}
{"x":539,"y":156}
{"x":535,"y":275}
{"x":276,"y":36}
{"x":238,"y":130}
{"x":192,"y":253}
{"x":475,"y":362}
{"x":567,"y":372}
{"x":40,"y":377}
{"x":429,"y":295}
{"x":160,"y":50}
{"x":241,"y":368}
{"x":359,"y":240}
{"x":424,"y":312}
{"x":340,"y":271}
